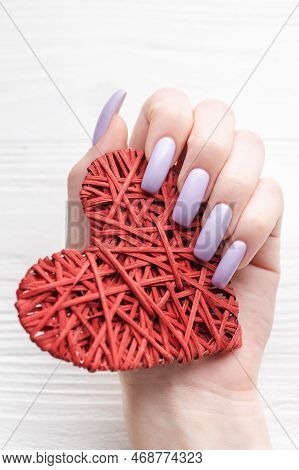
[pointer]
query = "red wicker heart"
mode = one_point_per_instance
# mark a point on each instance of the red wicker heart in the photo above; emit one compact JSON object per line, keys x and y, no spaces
{"x":137,"y":297}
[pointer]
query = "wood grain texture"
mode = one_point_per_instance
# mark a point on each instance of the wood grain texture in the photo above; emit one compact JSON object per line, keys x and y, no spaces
{"x":91,"y":48}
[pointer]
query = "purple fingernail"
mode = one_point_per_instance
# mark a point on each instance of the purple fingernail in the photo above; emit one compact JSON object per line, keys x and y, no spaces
{"x":191,"y":196}
{"x":111,"y":108}
{"x":229,"y":264}
{"x":158,"y":165}
{"x":213,"y":232}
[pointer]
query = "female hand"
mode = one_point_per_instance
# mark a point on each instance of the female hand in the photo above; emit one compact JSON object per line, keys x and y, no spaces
{"x":211,"y":403}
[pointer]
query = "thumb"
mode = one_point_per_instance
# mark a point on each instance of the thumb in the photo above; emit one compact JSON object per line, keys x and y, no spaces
{"x":113,"y":137}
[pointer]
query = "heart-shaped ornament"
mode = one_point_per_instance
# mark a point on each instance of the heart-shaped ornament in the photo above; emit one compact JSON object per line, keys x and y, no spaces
{"x":137,"y":297}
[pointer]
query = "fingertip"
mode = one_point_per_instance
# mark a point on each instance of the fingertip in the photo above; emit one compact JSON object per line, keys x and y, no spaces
{"x":111,"y":108}
{"x":116,"y":136}
{"x":229,"y":263}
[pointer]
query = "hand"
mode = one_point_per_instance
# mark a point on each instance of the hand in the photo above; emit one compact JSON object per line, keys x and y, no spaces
{"x":211,"y":403}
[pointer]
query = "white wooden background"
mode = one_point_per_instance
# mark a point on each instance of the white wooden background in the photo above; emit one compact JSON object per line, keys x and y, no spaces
{"x":91,"y":48}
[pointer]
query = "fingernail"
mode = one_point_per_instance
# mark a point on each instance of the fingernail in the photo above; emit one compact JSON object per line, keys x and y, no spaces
{"x":213,"y":232}
{"x":191,"y":196}
{"x":159,"y":164}
{"x":229,"y":264}
{"x":111,"y":108}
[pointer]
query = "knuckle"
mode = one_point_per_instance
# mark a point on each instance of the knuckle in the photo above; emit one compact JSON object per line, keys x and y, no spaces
{"x":167,"y":90}
{"x":208,"y":152}
{"x":251,"y":137}
{"x":175,"y":112}
{"x":218,"y":106}
{"x":216,"y":150}
{"x":274,"y":188}
{"x":156,"y":108}
{"x":159,"y":108}
{"x":167,"y":94}
{"x":272,"y":185}
{"x":237,"y":182}
{"x":257,"y":224}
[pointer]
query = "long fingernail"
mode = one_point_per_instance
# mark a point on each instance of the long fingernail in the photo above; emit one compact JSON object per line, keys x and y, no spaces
{"x":213,"y":232}
{"x":158,"y":165}
{"x":229,"y":264}
{"x":111,"y":108}
{"x":191,"y":196}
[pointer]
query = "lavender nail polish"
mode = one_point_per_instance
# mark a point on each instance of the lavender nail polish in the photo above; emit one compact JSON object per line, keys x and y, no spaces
{"x":213,"y":232}
{"x":159,"y":164}
{"x":191,"y":196}
{"x":111,"y":108}
{"x":229,"y":264}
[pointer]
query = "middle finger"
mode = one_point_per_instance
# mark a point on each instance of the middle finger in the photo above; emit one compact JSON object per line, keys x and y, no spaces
{"x":231,"y":193}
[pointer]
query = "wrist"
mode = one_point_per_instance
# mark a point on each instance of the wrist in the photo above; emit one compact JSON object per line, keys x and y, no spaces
{"x":186,"y":417}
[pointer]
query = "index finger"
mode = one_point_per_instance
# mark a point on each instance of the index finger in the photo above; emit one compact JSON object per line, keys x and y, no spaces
{"x":162,"y":129}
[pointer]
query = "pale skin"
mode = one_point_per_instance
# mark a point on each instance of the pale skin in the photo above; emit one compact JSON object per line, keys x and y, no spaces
{"x":212,"y":403}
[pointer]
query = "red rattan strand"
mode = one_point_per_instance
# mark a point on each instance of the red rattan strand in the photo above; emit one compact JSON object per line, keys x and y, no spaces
{"x":137,"y":297}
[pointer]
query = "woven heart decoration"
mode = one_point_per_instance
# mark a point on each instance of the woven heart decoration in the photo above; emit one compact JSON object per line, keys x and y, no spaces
{"x":137,"y":297}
